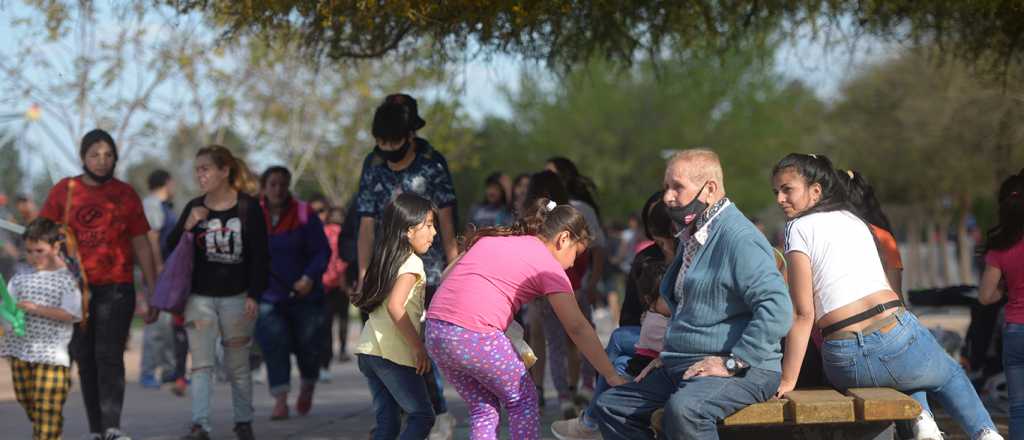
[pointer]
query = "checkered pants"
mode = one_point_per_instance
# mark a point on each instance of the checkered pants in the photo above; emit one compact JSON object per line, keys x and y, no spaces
{"x":42,"y":389}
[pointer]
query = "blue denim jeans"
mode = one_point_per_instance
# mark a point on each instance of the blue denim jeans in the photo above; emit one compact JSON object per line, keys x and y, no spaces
{"x":1013,"y":365}
{"x":692,"y":407}
{"x":908,"y":359}
{"x":158,"y":348}
{"x":207,"y":320}
{"x":397,"y":388}
{"x":291,"y":326}
{"x":620,"y":349}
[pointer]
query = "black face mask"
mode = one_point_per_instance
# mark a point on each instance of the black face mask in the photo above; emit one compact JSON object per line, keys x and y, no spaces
{"x":683,"y":216}
{"x":393,"y":156}
{"x":98,"y":178}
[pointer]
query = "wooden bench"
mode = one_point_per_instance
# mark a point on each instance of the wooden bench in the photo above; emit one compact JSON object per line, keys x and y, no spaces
{"x":863,"y":413}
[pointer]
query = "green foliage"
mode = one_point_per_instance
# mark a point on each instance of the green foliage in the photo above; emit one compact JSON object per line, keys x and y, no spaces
{"x":11,"y":174}
{"x":619,"y":125}
{"x":567,"y":32}
{"x":929,"y":132}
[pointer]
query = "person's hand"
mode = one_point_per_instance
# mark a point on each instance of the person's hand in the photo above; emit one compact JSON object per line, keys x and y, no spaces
{"x":617,"y":380}
{"x":151,"y":315}
{"x":653,"y":365}
{"x":196,"y":215}
{"x":28,"y":306}
{"x":251,"y":307}
{"x":419,"y":353}
{"x":712,"y":366}
{"x":784,"y":387}
{"x":303,"y":286}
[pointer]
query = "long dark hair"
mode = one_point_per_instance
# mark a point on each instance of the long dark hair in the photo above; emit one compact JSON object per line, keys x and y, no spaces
{"x":580,"y":187}
{"x":495,"y":179}
{"x":513,"y":204}
{"x":863,"y":199}
{"x":548,"y":185}
{"x":391,"y":248}
{"x":655,"y":217}
{"x":1010,"y":229}
{"x":539,"y":221}
{"x":817,"y":168}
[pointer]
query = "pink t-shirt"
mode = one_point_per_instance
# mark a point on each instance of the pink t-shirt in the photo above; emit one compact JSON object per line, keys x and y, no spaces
{"x":1011,"y":263}
{"x":494,"y":279}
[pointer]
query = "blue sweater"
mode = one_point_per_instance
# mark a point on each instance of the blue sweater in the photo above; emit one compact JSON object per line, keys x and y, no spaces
{"x":296,"y":249}
{"x":735,"y":301}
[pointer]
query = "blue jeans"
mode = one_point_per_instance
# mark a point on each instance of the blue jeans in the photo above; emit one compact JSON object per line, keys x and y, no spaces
{"x":692,"y":407}
{"x":396,"y":388}
{"x":158,"y":348}
{"x":207,"y":320}
{"x":908,"y":359}
{"x":1013,"y":365}
{"x":291,"y":326}
{"x":621,"y":348}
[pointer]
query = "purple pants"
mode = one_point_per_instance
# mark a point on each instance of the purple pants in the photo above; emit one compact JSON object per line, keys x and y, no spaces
{"x":487,"y":372}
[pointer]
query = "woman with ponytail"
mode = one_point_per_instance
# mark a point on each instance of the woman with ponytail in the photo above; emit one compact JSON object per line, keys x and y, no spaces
{"x":231,"y":263}
{"x":502,"y":269}
{"x":1004,"y":275}
{"x":837,"y":284}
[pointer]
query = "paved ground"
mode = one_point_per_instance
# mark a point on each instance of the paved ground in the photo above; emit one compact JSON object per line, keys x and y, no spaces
{"x":341,"y":410}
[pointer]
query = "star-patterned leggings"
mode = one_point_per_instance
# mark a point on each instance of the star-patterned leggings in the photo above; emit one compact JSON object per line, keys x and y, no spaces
{"x":487,"y":372}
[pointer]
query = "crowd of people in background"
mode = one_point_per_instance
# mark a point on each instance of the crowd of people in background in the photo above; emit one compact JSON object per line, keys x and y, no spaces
{"x":711,"y":316}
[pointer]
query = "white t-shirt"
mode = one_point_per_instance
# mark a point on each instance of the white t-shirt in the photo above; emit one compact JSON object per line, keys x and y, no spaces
{"x":845,"y":265}
{"x":46,"y":340}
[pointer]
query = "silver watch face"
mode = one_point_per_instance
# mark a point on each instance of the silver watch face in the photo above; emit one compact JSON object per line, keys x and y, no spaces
{"x":730,"y":364}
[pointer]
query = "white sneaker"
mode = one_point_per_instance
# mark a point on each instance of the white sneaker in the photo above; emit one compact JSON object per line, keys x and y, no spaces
{"x":988,"y":434}
{"x":115,"y":434}
{"x":925,"y":427}
{"x":444,"y":427}
{"x":574,"y":429}
{"x":325,"y":377}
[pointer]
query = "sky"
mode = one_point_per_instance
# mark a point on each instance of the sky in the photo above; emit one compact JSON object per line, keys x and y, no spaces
{"x":823,"y":70}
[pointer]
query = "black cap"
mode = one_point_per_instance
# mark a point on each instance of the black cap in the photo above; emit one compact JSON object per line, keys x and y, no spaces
{"x":410,"y":104}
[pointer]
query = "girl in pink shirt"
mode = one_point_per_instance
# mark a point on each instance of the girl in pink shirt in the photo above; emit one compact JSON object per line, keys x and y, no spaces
{"x":502,"y":269}
{"x":1004,"y":275}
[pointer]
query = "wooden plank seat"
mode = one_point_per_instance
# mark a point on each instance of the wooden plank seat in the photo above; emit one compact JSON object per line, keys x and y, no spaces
{"x":863,"y":413}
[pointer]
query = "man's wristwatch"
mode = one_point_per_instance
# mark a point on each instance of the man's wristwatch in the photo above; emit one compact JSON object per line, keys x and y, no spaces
{"x":735,"y":365}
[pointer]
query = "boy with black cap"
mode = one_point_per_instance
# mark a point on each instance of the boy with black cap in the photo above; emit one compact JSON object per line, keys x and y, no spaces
{"x":402,"y":162}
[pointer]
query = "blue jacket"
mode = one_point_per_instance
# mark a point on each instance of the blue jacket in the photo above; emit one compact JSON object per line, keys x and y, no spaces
{"x":735,"y":301}
{"x":298,"y":247}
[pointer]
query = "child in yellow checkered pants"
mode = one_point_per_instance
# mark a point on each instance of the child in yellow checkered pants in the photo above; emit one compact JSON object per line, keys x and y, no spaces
{"x":42,"y":389}
{"x":39,"y":357}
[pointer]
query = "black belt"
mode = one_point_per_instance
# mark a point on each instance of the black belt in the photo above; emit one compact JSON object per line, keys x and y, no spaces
{"x":874,"y":311}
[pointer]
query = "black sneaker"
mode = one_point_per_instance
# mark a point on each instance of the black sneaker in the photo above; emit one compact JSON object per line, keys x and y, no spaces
{"x":196,"y":432}
{"x":243,"y":431}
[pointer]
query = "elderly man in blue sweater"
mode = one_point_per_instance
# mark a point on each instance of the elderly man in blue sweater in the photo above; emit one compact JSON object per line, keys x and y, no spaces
{"x":730,"y":310}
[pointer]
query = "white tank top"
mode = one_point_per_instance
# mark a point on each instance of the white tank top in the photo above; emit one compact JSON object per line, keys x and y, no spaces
{"x":845,"y":265}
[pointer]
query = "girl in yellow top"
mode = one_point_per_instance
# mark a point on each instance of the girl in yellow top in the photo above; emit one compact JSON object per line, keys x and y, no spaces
{"x":390,"y":352}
